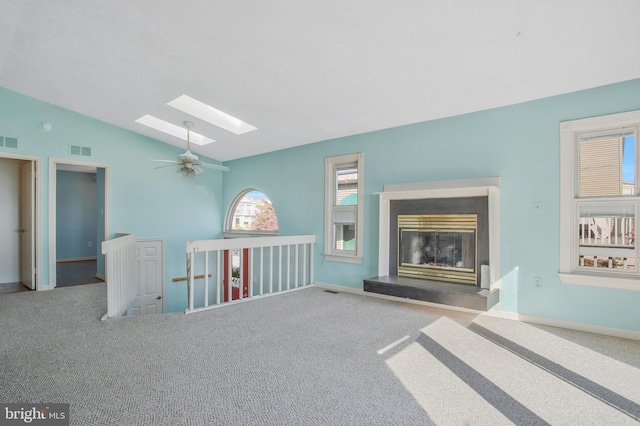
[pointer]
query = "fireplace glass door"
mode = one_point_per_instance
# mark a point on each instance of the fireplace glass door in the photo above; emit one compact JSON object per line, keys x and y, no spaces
{"x":445,"y":252}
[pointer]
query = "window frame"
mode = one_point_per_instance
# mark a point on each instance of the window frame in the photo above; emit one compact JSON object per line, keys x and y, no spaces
{"x":229,"y":232}
{"x":570,"y":134}
{"x":332,"y":164}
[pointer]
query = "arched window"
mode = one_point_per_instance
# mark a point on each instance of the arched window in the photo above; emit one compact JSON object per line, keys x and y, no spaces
{"x":251,"y":212}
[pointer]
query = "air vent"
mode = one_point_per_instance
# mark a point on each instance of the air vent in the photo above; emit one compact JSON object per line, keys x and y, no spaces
{"x":8,"y":142}
{"x":83,"y":151}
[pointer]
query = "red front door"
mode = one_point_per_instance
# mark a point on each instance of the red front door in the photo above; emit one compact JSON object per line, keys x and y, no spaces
{"x":235,"y":275}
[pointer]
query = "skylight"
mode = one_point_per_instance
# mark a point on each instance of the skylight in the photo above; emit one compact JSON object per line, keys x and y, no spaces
{"x":173,"y":130}
{"x":210,"y":114}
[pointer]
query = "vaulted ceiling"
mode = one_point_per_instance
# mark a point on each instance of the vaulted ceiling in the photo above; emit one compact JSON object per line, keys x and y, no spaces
{"x":306,"y":71}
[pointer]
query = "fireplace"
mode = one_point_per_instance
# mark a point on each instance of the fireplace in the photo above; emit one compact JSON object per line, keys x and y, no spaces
{"x":439,"y":242}
{"x":452,"y":233}
{"x":440,"y":247}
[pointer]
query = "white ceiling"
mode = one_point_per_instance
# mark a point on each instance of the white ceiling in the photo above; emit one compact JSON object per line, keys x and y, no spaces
{"x":306,"y":71}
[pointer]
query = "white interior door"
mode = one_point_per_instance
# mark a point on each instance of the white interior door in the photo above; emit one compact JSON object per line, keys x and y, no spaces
{"x":27,"y":248}
{"x":150,"y":271}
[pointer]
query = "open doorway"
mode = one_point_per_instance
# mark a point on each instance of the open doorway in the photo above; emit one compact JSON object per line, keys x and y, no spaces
{"x":18,"y":227}
{"x":78,"y":213}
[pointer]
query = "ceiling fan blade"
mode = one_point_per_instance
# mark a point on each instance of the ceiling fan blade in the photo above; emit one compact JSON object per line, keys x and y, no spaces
{"x":167,"y":165}
{"x":215,"y":166}
{"x":166,"y":161}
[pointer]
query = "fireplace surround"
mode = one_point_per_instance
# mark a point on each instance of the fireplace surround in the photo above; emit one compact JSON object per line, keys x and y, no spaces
{"x":478,"y":196}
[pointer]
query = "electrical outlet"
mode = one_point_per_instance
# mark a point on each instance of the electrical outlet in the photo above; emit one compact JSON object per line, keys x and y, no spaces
{"x":537,"y":282}
{"x":90,"y":244}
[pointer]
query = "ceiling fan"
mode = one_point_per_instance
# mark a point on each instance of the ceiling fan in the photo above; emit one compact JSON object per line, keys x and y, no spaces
{"x":189,"y":163}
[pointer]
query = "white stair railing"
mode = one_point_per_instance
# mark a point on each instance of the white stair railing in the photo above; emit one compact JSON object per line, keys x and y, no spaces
{"x":120,"y":263}
{"x":255,"y":266}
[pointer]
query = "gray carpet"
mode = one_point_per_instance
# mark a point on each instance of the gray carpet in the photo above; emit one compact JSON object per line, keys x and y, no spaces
{"x":307,"y":357}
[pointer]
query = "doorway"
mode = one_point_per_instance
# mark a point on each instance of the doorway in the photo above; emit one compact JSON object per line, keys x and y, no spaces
{"x":19,"y":251}
{"x":239,"y":278}
{"x":78,"y":218}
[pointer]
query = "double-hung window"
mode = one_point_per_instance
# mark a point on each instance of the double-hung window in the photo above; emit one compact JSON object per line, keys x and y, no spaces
{"x":343,"y":208}
{"x":599,"y":203}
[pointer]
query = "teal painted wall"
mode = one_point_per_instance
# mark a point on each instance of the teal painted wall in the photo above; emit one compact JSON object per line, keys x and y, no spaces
{"x":147,"y":202}
{"x":76,"y":215}
{"x":518,"y":143}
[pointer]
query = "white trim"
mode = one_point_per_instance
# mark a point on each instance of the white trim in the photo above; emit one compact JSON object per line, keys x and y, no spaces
{"x":578,"y":326}
{"x":330,"y":164}
{"x":461,"y":188}
{"x":53,"y":162}
{"x":229,"y":232}
{"x":240,"y":243}
{"x":455,"y":184}
{"x":342,"y":258}
{"x":570,"y":131}
{"x":248,"y":234}
{"x":37,"y":211}
{"x":551,"y":322}
{"x":609,"y":280}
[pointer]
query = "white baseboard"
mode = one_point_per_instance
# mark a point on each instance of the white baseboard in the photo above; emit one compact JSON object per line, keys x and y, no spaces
{"x":578,"y":326}
{"x":570,"y":325}
{"x":76,"y":259}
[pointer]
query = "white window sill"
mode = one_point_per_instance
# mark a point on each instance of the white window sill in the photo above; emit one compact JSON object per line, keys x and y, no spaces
{"x":631,"y":283}
{"x":246,"y":234}
{"x":342,"y":258}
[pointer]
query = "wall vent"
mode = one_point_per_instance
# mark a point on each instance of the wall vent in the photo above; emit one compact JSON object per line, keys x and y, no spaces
{"x":83,"y":151}
{"x":8,"y":142}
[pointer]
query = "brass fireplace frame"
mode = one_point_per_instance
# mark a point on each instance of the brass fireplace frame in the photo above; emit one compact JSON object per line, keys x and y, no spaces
{"x":460,"y":223}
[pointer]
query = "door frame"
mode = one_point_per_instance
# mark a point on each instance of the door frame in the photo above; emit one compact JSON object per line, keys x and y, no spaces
{"x":37,"y":216}
{"x":27,"y":256}
{"x":53,"y":167}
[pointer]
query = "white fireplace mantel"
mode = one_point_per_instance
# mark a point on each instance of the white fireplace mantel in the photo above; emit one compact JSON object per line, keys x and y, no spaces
{"x":489,"y":187}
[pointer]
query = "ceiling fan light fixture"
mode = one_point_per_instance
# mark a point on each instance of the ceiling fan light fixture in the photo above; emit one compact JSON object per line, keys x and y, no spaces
{"x":189,"y":172}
